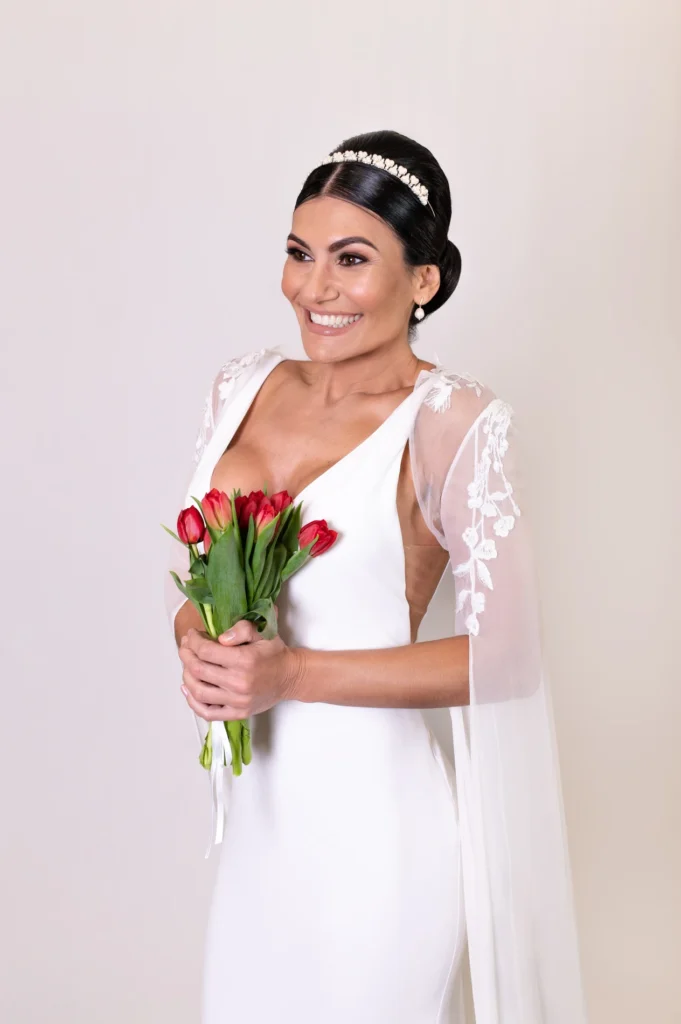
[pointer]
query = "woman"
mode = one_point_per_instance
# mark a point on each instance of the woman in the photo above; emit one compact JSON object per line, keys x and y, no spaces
{"x":356,"y":864}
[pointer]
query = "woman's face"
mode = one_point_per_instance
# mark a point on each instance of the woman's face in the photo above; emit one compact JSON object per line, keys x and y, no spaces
{"x":345,"y":262}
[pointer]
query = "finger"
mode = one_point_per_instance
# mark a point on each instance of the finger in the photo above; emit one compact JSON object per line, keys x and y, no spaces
{"x":207,"y":671}
{"x":210,"y":651}
{"x":212,"y":713}
{"x":205,"y":693}
{"x":192,"y":631}
{"x":204,"y":711}
{"x":242,"y":632}
{"x":193,"y":639}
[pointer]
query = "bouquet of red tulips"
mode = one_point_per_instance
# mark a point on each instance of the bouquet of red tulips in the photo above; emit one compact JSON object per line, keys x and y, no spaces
{"x":251,"y":545}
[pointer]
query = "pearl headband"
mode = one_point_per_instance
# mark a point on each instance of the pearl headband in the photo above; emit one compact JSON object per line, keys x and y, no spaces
{"x":410,"y":180}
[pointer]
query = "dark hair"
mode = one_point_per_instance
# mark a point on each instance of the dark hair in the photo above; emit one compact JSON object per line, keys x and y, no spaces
{"x":422,"y":230}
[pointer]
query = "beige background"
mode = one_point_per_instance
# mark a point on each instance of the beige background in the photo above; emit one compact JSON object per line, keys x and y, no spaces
{"x":151,"y":155}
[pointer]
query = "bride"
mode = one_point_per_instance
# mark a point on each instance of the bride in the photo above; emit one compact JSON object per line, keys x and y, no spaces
{"x":357,"y":864}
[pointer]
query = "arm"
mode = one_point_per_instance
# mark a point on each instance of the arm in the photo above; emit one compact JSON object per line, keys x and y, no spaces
{"x":428,"y":674}
{"x":241,"y":674}
{"x":187,"y":618}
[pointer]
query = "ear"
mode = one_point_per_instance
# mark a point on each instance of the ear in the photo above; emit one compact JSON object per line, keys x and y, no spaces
{"x":426,"y":282}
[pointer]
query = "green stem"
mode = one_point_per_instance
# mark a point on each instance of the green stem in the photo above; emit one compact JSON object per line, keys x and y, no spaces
{"x":208,"y":612}
{"x":234,"y":735}
{"x":246,"y":742}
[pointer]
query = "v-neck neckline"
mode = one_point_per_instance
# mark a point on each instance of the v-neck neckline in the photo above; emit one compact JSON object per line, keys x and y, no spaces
{"x":344,"y":459}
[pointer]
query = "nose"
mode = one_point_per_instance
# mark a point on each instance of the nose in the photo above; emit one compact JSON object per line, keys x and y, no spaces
{"x":319,"y":284}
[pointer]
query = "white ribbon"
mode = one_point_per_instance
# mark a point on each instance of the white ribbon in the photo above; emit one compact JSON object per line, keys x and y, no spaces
{"x":217,"y":781}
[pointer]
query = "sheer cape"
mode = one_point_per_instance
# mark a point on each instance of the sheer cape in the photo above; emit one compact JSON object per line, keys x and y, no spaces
{"x":520,"y":918}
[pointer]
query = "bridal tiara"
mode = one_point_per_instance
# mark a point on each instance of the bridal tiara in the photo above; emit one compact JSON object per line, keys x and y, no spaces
{"x":410,"y":180}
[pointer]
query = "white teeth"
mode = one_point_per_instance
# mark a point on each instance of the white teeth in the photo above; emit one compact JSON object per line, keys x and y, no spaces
{"x":328,"y":320}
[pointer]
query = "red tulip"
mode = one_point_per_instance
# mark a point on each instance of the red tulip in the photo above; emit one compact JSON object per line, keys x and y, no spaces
{"x":317,"y":528}
{"x":206,"y":542}
{"x":280,"y":501}
{"x":217,"y":509}
{"x":190,"y":525}
{"x":246,"y":507}
{"x":264,"y":515}
{"x":253,"y":504}
{"x":239,"y":502}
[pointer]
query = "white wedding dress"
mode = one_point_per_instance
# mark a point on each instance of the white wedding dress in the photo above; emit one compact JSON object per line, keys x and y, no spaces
{"x":347,"y":874}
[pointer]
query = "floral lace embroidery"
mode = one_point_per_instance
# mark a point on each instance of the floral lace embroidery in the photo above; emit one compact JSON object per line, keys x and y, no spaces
{"x":227,"y":373}
{"x":444,"y":382}
{"x":486,"y":504}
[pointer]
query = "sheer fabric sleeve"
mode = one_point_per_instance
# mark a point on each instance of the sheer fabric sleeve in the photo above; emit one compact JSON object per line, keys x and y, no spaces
{"x":178,"y":559}
{"x":523,"y":945}
{"x":224,"y":388}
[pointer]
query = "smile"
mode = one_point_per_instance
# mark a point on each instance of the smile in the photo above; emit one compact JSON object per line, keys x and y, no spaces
{"x":333,"y":319}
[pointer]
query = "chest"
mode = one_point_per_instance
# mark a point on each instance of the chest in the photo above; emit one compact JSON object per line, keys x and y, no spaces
{"x":293,"y":455}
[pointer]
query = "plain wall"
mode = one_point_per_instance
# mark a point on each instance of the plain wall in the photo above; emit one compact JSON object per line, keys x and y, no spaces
{"x":151,"y":156}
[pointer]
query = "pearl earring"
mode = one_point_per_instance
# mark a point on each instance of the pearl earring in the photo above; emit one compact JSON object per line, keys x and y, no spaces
{"x":419,"y":314}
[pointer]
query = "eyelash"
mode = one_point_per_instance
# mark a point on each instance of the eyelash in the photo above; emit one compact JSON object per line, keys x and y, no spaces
{"x":292,"y":250}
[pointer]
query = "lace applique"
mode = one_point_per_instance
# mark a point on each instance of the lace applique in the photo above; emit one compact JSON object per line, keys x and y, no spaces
{"x":227,"y":373}
{"x":486,"y":505}
{"x":444,"y":382}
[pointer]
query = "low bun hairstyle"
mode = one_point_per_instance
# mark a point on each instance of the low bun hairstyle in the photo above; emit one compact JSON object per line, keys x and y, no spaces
{"x":422,"y":229}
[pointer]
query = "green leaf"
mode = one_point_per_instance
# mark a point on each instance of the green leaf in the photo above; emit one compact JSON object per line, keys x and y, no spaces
{"x":198,"y":567}
{"x":280,"y":560}
{"x":213,"y":533}
{"x":198,"y":589}
{"x":206,"y":754}
{"x":191,"y":591}
{"x":284,"y":517}
{"x":265,"y":576}
{"x":199,"y":506}
{"x":260,"y":551}
{"x":258,"y":609}
{"x":237,"y":529}
{"x":271,"y":626}
{"x":250,"y":536}
{"x":279,"y":557}
{"x":226,"y":580}
{"x":292,"y":529}
{"x":173,"y":534}
{"x":297,"y":561}
{"x":178,"y":581}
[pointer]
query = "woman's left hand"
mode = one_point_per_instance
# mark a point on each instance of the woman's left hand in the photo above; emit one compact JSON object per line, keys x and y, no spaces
{"x":231,"y":679}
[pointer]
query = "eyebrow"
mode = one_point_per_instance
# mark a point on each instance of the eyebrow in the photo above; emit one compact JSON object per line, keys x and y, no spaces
{"x":335,"y":246}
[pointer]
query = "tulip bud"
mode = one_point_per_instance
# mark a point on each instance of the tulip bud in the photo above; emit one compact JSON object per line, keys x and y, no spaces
{"x":217,"y":509}
{"x":190,"y":525}
{"x":246,"y":508}
{"x":264,"y":515}
{"x":317,"y":528}
{"x":280,"y":501}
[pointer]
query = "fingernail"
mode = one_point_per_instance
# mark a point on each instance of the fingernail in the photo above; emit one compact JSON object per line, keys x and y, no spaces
{"x":185,"y":691}
{"x":228,"y":636}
